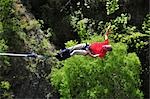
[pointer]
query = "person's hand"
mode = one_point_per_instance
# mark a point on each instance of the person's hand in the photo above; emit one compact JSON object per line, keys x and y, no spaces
{"x":108,"y":30}
{"x":95,"y":55}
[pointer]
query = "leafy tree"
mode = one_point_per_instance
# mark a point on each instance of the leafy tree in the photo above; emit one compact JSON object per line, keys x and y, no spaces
{"x":123,"y":32}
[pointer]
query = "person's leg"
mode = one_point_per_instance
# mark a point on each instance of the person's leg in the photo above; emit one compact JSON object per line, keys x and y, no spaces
{"x":77,"y":47}
{"x":78,"y":52}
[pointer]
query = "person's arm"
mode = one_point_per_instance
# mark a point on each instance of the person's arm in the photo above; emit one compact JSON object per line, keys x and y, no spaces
{"x":107,"y":32}
{"x":92,"y":55}
{"x":106,"y":36}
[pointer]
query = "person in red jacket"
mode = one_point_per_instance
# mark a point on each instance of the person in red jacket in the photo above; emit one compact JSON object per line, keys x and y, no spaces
{"x":96,"y":49}
{"x":100,"y":48}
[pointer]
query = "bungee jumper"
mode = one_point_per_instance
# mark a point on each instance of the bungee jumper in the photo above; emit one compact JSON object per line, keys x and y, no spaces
{"x":96,"y":49}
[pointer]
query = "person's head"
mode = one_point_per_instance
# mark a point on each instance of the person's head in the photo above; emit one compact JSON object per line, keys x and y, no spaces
{"x":107,"y":47}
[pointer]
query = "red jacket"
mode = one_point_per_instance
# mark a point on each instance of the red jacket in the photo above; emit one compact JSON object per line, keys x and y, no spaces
{"x":96,"y":48}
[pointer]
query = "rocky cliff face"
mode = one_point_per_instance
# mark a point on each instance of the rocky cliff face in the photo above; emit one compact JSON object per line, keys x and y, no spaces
{"x":28,"y":77}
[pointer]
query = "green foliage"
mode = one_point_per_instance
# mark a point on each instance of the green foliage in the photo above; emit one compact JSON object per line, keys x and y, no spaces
{"x":3,"y":60}
{"x":9,"y":23}
{"x":122,"y":32}
{"x":21,"y":33}
{"x":35,"y":38}
{"x":5,"y":85}
{"x":3,"y":45}
{"x":80,"y":27}
{"x":116,"y":76}
{"x":116,"y":24}
{"x":83,"y":26}
{"x":4,"y":89}
{"x":146,"y":24}
{"x":119,"y":22}
{"x":75,"y":18}
{"x":1,"y":27}
{"x":33,"y":24}
{"x":70,"y":43}
{"x":6,"y":7}
{"x":111,"y":6}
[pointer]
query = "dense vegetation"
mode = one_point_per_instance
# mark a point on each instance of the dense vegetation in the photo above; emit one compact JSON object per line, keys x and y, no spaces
{"x":117,"y":76}
{"x":28,"y":26}
{"x":21,"y":33}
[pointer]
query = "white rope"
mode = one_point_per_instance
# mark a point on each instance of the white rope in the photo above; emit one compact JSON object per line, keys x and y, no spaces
{"x":21,"y":55}
{"x":11,"y":54}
